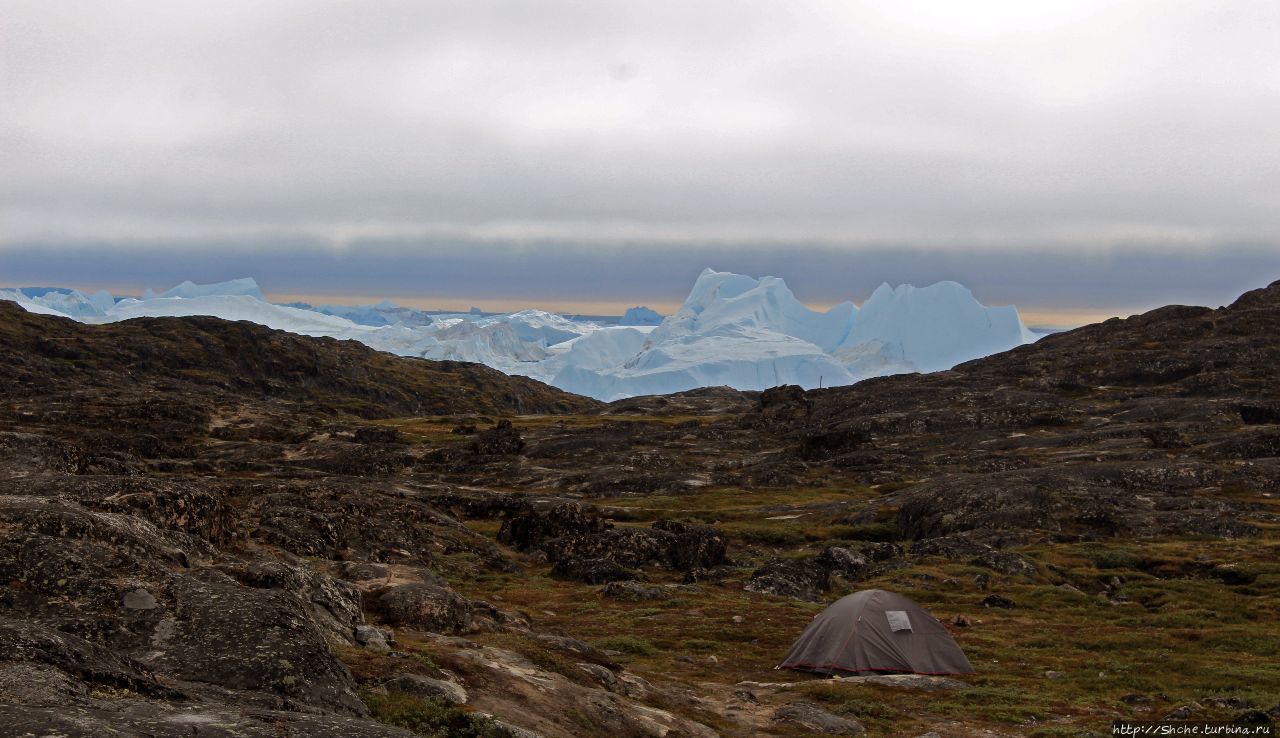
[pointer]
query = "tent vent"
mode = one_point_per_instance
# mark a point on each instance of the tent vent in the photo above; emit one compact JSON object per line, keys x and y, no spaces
{"x":898,"y":620}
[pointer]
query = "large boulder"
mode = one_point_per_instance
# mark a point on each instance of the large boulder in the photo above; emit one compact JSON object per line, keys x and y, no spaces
{"x":803,"y":578}
{"x":500,"y":440}
{"x":964,"y":547}
{"x":808,"y":577}
{"x":592,"y":570}
{"x":430,"y":607}
{"x":426,"y":687}
{"x":222,"y":632}
{"x":813,"y":719}
{"x":633,"y":591}
{"x":433,"y":606}
{"x":533,"y":528}
{"x":850,"y":565}
{"x":335,"y":603}
{"x":693,"y":546}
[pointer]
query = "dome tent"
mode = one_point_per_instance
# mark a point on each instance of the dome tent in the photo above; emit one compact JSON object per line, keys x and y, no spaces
{"x":874,"y":631}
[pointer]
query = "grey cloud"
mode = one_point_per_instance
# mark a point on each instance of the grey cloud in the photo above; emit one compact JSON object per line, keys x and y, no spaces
{"x":1041,"y":132}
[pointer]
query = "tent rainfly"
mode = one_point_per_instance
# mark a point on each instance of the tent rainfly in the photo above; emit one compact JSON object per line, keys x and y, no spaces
{"x":874,"y":631}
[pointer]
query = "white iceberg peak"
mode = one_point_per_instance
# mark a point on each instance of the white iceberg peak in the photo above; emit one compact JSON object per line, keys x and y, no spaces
{"x":243,"y":286}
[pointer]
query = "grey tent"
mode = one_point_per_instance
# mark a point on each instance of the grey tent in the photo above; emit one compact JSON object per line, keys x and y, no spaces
{"x":876,"y":631}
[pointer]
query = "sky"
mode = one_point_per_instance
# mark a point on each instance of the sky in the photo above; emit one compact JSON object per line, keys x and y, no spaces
{"x":1079,"y":159}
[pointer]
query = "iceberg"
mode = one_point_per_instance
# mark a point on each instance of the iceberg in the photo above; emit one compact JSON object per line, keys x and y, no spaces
{"x":732,"y":330}
{"x":245,"y":286}
{"x":720,"y":299}
{"x":30,"y":304}
{"x":232,"y":307}
{"x":73,"y":303}
{"x":540,"y":327}
{"x":640,"y":315}
{"x":383,"y":313}
{"x":932,"y":328}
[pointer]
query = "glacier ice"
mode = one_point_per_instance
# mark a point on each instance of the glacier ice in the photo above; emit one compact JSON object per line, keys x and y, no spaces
{"x":640,"y":315}
{"x":541,"y":327}
{"x":245,"y":286}
{"x":382,"y":313}
{"x":744,"y":332}
{"x":936,"y":327}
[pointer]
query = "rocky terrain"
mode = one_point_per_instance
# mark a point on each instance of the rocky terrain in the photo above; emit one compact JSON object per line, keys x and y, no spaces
{"x":211,"y":528}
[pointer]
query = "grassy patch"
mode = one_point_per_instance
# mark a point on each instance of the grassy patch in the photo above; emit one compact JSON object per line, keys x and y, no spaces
{"x":625,"y":644}
{"x":1176,"y":620}
{"x":430,"y":718}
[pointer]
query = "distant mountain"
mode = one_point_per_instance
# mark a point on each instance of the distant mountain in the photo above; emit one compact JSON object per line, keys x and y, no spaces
{"x":202,"y":362}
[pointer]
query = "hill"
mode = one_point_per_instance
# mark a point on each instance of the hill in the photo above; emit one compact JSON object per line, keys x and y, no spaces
{"x":214,"y":526}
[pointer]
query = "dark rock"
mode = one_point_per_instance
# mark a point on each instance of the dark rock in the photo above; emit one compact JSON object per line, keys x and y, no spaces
{"x":373,"y":638}
{"x":24,"y":454}
{"x":579,"y":649}
{"x":964,"y":547}
{"x":825,"y":445}
{"x":842,"y":562}
{"x":634,"y":591}
{"x":996,"y":600}
{"x":534,"y":528}
{"x":780,"y":407}
{"x":808,"y":577}
{"x":373,"y":434}
{"x":335,"y":604}
{"x":427,"y":606}
{"x":592,"y":570}
{"x":1260,"y":413}
{"x":628,"y":547}
{"x":363,"y":571}
{"x":64,"y":654}
{"x":804,"y":578}
{"x":434,"y":689}
{"x":337,"y":520}
{"x":1228,"y":703}
{"x":1252,"y":717}
{"x":714,"y":574}
{"x":922,"y":682}
{"x":565,"y":533}
{"x":693,"y":546}
{"x":1005,"y":562}
{"x":500,"y":440}
{"x":250,"y":639}
{"x":880,"y":551}
{"x":1165,"y":438}
{"x":139,"y":599}
{"x":810,"y":717}
{"x":152,"y":719}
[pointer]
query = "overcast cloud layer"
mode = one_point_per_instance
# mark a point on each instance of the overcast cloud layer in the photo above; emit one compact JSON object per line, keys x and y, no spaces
{"x":547,"y":148}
